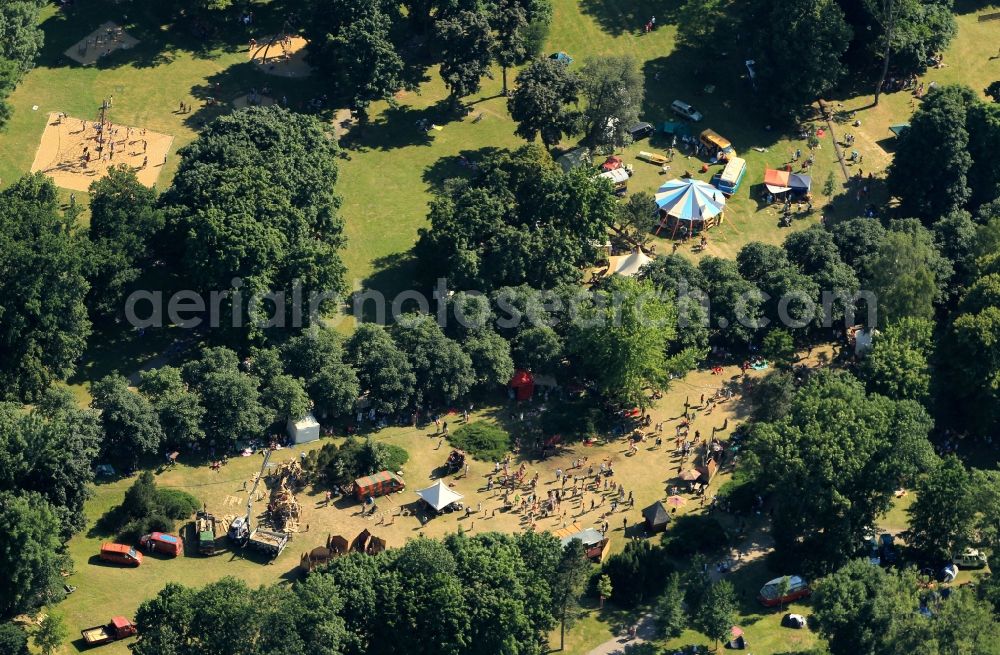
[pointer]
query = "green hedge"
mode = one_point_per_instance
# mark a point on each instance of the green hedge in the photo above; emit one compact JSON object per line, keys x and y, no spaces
{"x":483,"y":441}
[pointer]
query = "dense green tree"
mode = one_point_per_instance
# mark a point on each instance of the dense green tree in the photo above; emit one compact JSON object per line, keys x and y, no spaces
{"x":253,"y":210}
{"x":621,"y":341}
{"x":50,"y":634}
{"x":943,"y":516}
{"x":213,"y":359}
{"x":901,"y":278}
{"x":737,"y":307}
{"x":544,"y":102}
{"x":717,"y":612}
{"x":384,"y":371}
{"x":614,"y":89}
{"x":937,"y":132}
{"x":857,"y":240}
{"x":178,"y":407}
{"x":898,"y":365}
{"x":491,"y":359}
{"x":538,"y":349}
{"x":793,"y":299}
{"x":816,"y":254}
{"x":773,"y":396}
{"x":637,"y":573}
{"x":637,"y":218}
{"x":856,"y":607}
{"x":131,"y":426}
{"x":811,"y":40}
{"x":31,"y":552}
{"x":350,"y":44}
{"x":317,"y":356}
{"x":443,"y":371}
{"x":20,"y":37}
{"x":522,"y":221}
{"x":124,"y":222}
{"x":571,"y":577}
{"x":13,"y":639}
{"x":955,"y":236}
{"x":670,"y":616}
{"x":51,"y":450}
{"x":285,"y":396}
{"x":233,"y":411}
{"x":906,"y":34}
{"x":605,"y":590}
{"x":45,"y":327}
{"x":465,"y":48}
{"x":779,"y":348}
{"x":832,"y":465}
{"x":972,"y":360}
{"x":983,"y":123}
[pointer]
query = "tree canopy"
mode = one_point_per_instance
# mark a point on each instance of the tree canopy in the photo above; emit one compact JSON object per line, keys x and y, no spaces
{"x":614,"y":89}
{"x":521,"y":220}
{"x":45,"y":326}
{"x":832,"y":465}
{"x":544,"y":102}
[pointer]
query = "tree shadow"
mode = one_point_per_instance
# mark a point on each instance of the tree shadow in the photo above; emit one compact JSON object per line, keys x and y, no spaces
{"x":392,"y":275}
{"x":463,"y":165}
{"x":616,"y":17}
{"x":120,"y":348}
{"x":401,"y":126}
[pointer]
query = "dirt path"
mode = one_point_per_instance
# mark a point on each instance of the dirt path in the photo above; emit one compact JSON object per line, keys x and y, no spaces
{"x":645,"y":631}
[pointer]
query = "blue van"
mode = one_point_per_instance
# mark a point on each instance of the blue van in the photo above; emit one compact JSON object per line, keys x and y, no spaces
{"x":732,"y":175}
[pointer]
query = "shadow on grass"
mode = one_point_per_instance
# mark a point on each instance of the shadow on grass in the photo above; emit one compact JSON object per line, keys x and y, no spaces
{"x":463,"y":165}
{"x":392,"y":275}
{"x":401,"y":126}
{"x":617,"y":18}
{"x":120,"y":349}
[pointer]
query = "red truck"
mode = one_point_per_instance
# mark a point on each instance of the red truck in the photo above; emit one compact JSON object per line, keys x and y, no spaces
{"x":119,"y":628}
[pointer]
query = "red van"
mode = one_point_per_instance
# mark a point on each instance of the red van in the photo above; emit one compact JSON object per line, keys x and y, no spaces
{"x":121,"y":554}
{"x":161,"y":542}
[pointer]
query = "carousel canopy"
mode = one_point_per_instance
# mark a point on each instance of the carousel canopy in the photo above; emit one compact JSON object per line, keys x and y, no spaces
{"x":690,"y":200}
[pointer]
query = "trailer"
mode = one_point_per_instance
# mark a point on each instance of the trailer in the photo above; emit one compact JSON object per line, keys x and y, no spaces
{"x":268,"y":541}
{"x":118,"y":628}
{"x":652,"y":158}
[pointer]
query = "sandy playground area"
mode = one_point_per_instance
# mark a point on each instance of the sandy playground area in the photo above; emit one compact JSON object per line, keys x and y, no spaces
{"x":106,"y":39}
{"x":283,"y":55}
{"x":75,"y":152}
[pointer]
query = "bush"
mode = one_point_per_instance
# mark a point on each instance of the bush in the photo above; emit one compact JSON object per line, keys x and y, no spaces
{"x":694,"y":533}
{"x":738,"y":494}
{"x":355,"y":458}
{"x":148,"y":509}
{"x":482,"y":440}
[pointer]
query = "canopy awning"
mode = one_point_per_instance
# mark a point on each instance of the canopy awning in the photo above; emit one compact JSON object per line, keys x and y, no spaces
{"x":899,"y":128}
{"x":778,"y":181}
{"x":439,"y":496}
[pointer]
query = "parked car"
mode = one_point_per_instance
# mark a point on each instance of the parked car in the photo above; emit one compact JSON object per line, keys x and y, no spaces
{"x":641,"y":131}
{"x":121,"y":554}
{"x":870,"y":550}
{"x":887,"y":548}
{"x":970,"y":558}
{"x":118,"y":628}
{"x":160,"y":542}
{"x":685,"y":110}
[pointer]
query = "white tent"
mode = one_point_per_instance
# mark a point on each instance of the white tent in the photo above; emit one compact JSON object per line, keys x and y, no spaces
{"x":629,"y":265}
{"x":439,"y":496}
{"x":303,"y":430}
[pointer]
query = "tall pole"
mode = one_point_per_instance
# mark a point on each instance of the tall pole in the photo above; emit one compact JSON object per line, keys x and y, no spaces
{"x":888,"y":8}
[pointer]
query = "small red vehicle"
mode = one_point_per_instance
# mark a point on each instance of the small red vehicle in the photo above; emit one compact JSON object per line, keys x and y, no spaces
{"x":119,"y":628}
{"x":161,"y":542}
{"x":121,"y":554}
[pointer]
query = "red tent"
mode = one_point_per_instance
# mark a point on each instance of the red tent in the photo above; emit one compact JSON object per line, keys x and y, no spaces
{"x":523,"y":384}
